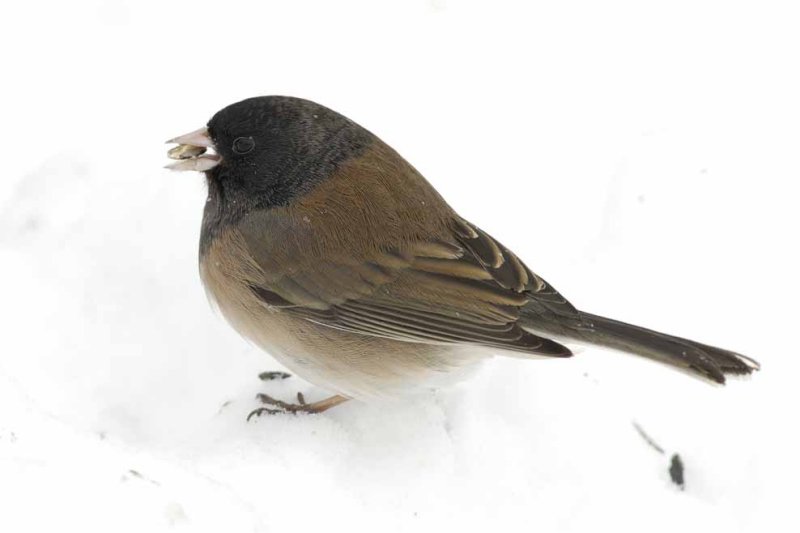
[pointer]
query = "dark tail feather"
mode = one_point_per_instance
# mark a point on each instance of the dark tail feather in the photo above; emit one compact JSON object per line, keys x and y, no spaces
{"x":707,"y":361}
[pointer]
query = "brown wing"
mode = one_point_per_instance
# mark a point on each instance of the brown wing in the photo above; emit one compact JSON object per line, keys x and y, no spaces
{"x":464,"y":288}
{"x":375,"y":250}
{"x":508,"y":271}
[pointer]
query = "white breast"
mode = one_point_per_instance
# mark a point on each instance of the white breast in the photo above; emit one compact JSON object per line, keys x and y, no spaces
{"x":354,"y":365}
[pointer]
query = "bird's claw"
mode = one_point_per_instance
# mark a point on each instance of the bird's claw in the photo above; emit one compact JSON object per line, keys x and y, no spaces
{"x":275,"y":406}
{"x":279,"y":406}
{"x":262,"y":411}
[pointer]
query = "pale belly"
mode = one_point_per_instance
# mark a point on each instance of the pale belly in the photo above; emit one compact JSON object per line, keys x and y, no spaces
{"x":350,"y":364}
{"x":354,"y":365}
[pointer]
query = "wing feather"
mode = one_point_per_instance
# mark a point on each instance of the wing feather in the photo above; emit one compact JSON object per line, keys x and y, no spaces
{"x":466,"y":290}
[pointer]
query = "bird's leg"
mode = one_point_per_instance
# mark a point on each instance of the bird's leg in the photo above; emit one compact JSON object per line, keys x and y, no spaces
{"x":278,"y":406}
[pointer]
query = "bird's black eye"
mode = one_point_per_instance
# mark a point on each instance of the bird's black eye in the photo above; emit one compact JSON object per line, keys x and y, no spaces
{"x":243,"y":145}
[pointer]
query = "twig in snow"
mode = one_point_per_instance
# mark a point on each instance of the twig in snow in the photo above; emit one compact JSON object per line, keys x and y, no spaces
{"x":647,"y":438}
{"x":675,"y":464}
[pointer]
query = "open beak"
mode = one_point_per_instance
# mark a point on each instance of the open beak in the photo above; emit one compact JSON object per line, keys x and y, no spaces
{"x":191,"y":152}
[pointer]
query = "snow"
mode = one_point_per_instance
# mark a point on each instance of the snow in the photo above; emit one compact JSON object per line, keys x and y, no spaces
{"x":643,"y":159}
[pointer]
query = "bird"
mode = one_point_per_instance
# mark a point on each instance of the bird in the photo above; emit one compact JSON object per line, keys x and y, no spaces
{"x":328,"y":250}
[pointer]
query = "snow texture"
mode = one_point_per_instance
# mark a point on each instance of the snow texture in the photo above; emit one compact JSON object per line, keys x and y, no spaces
{"x":641,"y":157}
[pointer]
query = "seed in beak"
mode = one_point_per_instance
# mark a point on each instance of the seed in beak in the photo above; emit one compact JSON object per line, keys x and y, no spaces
{"x":186,"y":151}
{"x":191,"y":152}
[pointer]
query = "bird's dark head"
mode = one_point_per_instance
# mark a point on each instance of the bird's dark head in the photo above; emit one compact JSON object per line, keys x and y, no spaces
{"x":280,"y":146}
{"x":269,"y":150}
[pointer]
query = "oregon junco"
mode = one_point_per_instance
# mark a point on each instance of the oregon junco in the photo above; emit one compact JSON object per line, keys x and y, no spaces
{"x":327,"y":249}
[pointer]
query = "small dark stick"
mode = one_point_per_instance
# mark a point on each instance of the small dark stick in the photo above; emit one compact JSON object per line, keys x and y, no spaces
{"x":675,"y":465}
{"x":647,"y":438}
{"x":269,"y":376}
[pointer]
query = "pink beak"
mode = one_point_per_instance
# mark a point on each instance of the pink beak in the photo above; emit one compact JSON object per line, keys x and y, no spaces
{"x":190,"y":152}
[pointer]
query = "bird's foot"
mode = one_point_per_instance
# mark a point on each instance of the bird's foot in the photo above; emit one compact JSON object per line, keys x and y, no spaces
{"x":278,"y":406}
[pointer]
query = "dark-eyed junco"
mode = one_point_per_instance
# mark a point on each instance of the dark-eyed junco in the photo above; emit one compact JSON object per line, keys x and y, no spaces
{"x":327,"y":249}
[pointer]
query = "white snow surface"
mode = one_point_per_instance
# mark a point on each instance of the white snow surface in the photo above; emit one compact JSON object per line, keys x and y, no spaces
{"x":642,"y":158}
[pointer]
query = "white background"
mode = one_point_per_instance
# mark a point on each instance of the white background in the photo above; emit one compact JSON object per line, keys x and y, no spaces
{"x":641,"y":156}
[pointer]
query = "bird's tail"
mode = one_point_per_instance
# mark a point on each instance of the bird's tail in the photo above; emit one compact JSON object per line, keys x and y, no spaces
{"x":700,"y":359}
